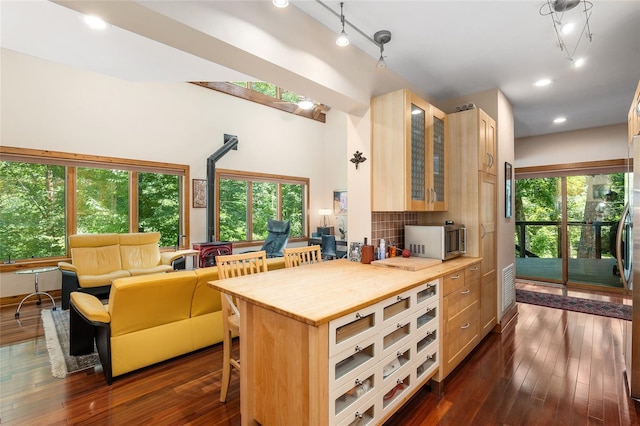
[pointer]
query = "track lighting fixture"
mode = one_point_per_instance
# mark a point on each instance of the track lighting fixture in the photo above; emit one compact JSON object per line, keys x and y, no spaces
{"x":281,"y":3}
{"x":343,"y":38}
{"x":562,"y":24}
{"x":380,"y":38}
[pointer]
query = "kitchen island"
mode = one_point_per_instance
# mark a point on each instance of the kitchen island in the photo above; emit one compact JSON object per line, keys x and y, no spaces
{"x":336,"y":342}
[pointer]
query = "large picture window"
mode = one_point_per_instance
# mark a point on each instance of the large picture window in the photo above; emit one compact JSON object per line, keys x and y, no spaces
{"x":47,"y":196}
{"x":246,"y":201}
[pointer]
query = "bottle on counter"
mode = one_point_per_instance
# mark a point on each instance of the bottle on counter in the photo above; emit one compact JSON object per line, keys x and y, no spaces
{"x":383,"y":249}
{"x":366,"y":252}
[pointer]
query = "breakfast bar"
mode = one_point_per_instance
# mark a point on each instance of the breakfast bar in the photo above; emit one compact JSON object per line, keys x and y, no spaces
{"x":336,"y":342}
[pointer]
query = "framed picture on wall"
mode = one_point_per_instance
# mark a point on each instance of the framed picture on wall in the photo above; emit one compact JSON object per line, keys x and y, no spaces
{"x":199,"y":193}
{"x":340,"y":204}
{"x":508,"y":189}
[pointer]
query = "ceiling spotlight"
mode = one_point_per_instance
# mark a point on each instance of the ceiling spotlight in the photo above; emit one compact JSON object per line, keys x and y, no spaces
{"x":281,"y":3}
{"x":305,"y":104}
{"x":343,"y":38}
{"x":556,"y":10}
{"x":542,"y":82}
{"x":381,"y":38}
{"x":578,"y":62}
{"x":567,"y":28}
{"x":559,"y":120}
{"x":94,"y":22}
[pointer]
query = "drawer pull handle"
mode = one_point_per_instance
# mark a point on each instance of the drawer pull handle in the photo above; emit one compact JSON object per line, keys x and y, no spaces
{"x":358,"y":348}
{"x":358,"y":415}
{"x":358,"y":382}
{"x":399,"y":325}
{"x":399,"y":354}
{"x":399,"y":381}
{"x":399,"y":298}
{"x":358,"y":316}
{"x":455,"y":277}
{"x":475,"y":268}
{"x":467,"y":291}
{"x":465,"y":326}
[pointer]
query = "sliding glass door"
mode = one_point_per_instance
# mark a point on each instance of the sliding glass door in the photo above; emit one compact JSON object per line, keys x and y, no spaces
{"x":566,"y":228}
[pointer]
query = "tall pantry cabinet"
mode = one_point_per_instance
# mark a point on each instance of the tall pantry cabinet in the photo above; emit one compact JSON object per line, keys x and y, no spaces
{"x":472,"y":137}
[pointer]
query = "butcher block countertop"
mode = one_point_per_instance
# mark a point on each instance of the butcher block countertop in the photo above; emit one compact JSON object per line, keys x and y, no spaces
{"x":316,"y":294}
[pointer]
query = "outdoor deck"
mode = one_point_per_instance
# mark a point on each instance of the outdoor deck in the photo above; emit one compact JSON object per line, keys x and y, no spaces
{"x":596,"y":272}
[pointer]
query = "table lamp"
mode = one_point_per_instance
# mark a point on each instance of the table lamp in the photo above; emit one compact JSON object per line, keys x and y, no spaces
{"x":324,"y":229}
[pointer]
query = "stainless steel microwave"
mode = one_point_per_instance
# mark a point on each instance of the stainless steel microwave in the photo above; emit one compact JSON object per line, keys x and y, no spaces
{"x":436,"y":241}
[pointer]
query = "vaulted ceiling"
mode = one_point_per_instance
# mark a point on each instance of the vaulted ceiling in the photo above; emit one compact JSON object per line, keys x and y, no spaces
{"x":440,"y":49}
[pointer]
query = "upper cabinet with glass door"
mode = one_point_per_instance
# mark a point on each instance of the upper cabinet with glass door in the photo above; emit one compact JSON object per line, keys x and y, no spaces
{"x":409,"y":153}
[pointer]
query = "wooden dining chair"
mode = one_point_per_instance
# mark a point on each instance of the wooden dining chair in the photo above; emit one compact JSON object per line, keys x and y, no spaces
{"x":234,"y":265}
{"x":306,"y":255}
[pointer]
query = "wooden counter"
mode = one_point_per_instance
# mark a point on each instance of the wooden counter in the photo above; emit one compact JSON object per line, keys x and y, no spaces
{"x":316,"y":294}
{"x":288,"y":373}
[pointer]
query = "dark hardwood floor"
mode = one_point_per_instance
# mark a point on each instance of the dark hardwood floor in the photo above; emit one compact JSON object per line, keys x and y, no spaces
{"x":552,"y":368}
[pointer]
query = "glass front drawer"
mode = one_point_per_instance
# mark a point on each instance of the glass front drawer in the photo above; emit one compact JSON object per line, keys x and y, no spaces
{"x":346,"y":331}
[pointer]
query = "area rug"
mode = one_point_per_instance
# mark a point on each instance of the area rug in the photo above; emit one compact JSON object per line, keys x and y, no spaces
{"x":56,"y":333}
{"x":587,"y":306}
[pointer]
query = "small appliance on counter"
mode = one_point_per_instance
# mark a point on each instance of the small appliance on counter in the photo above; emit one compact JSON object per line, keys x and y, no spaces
{"x":436,"y":241}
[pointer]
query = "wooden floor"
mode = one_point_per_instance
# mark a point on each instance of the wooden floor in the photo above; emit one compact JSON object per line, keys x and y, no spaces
{"x":553,"y":367}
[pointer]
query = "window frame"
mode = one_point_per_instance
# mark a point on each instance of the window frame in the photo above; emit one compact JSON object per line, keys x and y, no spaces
{"x":71,"y":161}
{"x":262,"y":177}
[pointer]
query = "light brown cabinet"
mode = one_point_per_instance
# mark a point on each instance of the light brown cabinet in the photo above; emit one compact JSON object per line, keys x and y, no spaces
{"x":460,"y":317}
{"x":409,"y":154}
{"x":472,"y":136}
{"x":486,"y":143}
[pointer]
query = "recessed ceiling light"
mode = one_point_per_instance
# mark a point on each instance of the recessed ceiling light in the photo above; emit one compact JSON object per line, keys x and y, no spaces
{"x":542,"y":82}
{"x":578,"y":62}
{"x":94,"y":22}
{"x":559,"y":120}
{"x":281,"y":3}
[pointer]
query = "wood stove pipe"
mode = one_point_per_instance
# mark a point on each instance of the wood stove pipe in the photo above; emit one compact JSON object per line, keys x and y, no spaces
{"x":230,"y":142}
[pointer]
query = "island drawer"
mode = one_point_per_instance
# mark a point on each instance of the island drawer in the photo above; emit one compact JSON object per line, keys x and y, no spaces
{"x":346,"y":331}
{"x":397,"y":307}
{"x":427,"y":293}
{"x":349,"y":398}
{"x":368,"y":413}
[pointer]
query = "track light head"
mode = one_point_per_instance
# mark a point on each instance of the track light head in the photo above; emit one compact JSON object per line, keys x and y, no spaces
{"x":343,"y":39}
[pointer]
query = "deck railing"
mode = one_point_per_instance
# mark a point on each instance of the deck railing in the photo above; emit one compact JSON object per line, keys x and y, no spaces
{"x":609,"y":228}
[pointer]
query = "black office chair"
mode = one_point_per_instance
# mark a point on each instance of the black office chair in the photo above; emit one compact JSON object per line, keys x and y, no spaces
{"x":329,"y":250}
{"x":278,"y":237}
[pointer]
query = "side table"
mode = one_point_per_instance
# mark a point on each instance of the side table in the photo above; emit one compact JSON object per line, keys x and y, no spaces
{"x":37,"y":292}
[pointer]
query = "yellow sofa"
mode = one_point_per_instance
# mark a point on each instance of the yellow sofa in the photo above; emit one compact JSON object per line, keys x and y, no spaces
{"x":98,"y":259}
{"x":149,"y":319}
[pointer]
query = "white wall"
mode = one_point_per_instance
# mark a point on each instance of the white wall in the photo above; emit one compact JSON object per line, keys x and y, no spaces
{"x":54,"y":107}
{"x":595,"y":144}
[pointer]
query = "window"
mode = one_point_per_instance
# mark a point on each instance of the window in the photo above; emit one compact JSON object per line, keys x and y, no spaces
{"x":32,"y":210}
{"x":267,"y":94}
{"x":246,"y":201}
{"x":45,"y":197}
